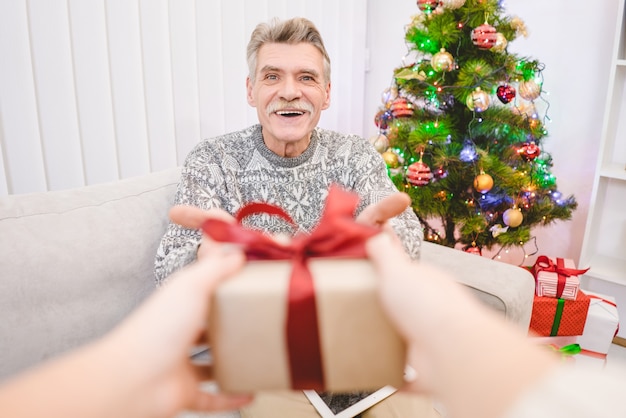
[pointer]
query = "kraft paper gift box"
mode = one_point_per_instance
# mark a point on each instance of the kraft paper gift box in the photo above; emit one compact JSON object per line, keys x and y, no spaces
{"x":303,"y":314}
{"x":360,"y":350}
{"x":557,"y":278}
{"x":558,"y":317}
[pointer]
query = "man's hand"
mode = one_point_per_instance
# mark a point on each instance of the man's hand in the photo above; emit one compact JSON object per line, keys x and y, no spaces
{"x":377,"y":214}
{"x":192,"y":217}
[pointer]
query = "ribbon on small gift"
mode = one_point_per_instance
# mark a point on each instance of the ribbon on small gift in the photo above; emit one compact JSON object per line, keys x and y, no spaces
{"x":336,"y":235}
{"x":544,"y":263}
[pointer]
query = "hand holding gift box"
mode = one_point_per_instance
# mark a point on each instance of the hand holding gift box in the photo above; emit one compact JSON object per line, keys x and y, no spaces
{"x":558,"y":279}
{"x":291,"y":322}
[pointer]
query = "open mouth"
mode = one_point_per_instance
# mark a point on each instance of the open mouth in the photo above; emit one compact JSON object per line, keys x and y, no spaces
{"x":290,"y":113}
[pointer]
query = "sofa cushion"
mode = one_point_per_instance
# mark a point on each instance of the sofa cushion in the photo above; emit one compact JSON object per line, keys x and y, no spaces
{"x":75,"y":262}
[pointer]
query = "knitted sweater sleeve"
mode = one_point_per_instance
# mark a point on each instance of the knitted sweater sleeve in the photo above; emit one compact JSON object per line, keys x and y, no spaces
{"x":373,"y":184}
{"x":201,"y":185}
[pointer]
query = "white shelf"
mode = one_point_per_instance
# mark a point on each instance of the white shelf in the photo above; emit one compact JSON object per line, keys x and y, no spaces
{"x":606,"y":268}
{"x":614,"y":171}
{"x":604,"y":243}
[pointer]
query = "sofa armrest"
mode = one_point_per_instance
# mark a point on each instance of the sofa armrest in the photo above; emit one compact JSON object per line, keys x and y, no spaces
{"x":506,"y":288}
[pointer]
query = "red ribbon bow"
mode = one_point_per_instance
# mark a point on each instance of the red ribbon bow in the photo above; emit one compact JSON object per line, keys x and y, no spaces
{"x":336,"y":235}
{"x":544,"y":263}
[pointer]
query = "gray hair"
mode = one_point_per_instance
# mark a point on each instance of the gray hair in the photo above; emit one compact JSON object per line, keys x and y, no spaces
{"x":291,"y":31}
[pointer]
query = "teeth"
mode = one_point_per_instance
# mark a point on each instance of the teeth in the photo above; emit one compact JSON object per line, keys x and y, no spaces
{"x":290,"y":112}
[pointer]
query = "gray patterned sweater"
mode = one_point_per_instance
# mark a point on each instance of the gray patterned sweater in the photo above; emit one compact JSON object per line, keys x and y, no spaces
{"x":232,"y":170}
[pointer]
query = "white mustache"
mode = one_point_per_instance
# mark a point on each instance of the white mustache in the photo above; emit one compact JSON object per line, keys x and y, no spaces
{"x":277,"y":105}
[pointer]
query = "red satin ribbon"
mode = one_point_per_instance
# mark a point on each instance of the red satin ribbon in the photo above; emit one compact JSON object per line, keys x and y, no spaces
{"x":337,"y":235}
{"x":544,"y":263}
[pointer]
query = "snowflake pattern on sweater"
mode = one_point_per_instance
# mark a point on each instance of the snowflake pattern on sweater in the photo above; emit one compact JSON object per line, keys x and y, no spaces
{"x":232,"y":170}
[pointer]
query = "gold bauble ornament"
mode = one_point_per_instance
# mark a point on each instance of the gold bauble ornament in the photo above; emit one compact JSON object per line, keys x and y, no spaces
{"x":519,"y":26}
{"x":513,"y":217}
{"x":442,"y":61}
{"x":529,"y":90}
{"x":391,"y":159}
{"x":500,"y":44}
{"x":478,"y":100}
{"x":452,"y":4}
{"x":483,"y":182}
{"x":380,"y":142}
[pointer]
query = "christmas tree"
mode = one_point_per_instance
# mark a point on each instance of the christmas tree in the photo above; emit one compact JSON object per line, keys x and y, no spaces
{"x":461,"y":129}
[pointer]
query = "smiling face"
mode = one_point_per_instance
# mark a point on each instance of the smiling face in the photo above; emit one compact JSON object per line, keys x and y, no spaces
{"x":289,"y":92}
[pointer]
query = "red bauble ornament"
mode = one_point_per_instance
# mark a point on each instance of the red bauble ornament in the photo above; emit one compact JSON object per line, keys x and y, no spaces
{"x":484,"y":36}
{"x":401,"y":108}
{"x":419,"y":174}
{"x":428,"y":6}
{"x":505,"y":93}
{"x":473,"y":249}
{"x":529,"y":151}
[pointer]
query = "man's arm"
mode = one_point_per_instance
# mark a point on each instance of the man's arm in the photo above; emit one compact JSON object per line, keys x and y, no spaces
{"x":374,"y":186}
{"x":179,"y":245}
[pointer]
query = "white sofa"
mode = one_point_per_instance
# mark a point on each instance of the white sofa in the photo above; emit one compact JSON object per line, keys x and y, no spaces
{"x":74,"y":263}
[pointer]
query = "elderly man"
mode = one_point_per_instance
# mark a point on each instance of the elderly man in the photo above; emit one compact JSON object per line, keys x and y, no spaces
{"x":285,"y":160}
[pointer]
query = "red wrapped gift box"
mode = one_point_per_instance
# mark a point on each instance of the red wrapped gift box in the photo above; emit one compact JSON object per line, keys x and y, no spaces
{"x":552,"y":316}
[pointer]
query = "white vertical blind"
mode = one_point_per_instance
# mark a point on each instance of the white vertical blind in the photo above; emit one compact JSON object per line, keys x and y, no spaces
{"x":92,"y":79}
{"x":97,"y":90}
{"x":24,"y":169}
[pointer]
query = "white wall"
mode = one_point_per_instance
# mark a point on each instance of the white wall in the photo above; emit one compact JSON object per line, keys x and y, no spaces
{"x":575,"y":43}
{"x":95,"y":90}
